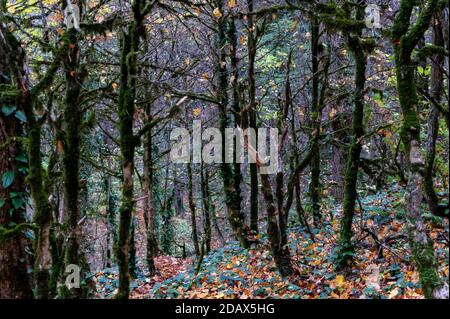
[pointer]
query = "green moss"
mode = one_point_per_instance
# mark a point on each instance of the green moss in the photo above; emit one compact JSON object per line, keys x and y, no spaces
{"x":405,"y":38}
{"x":359,"y":49}
{"x":16,"y":230}
{"x":427,"y":51}
{"x":426,"y":264}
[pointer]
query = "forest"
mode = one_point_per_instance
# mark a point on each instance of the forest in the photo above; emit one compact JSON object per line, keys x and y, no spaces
{"x":224,"y":149}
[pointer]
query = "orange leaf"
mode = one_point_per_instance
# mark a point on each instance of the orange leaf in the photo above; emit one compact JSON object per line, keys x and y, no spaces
{"x":59,"y":147}
{"x":217,"y":13}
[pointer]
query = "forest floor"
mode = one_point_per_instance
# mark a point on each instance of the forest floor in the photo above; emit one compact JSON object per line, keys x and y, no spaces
{"x":381,"y":270}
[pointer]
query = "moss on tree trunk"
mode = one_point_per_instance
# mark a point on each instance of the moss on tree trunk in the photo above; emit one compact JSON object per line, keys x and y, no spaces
{"x":405,"y":38}
{"x":232,"y":196}
{"x":351,"y":173}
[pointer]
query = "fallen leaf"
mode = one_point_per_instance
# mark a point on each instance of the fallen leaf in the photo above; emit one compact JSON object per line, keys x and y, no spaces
{"x":217,"y":13}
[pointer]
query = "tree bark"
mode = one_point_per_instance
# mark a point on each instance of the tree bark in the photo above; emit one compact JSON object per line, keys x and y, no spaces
{"x":405,"y":38}
{"x":316,"y":114}
{"x":206,"y":197}
{"x":193,"y":212}
{"x":351,"y":174}
{"x":251,"y":47}
{"x":232,"y":196}
{"x":436,"y":86}
{"x":149,"y":208}
{"x":15,"y":282}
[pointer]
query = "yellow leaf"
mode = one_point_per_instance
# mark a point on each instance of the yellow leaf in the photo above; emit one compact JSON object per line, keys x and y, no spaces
{"x":340,"y":280}
{"x":114,"y":85}
{"x":231,"y":3}
{"x":197,"y":11}
{"x":217,"y":13}
{"x":197,"y":111}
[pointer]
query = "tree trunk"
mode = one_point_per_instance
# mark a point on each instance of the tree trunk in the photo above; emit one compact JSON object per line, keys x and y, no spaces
{"x":206,"y":208}
{"x":279,"y":252}
{"x":15,"y":282}
{"x":277,"y":216}
{"x":43,"y":211}
{"x":72,"y":119}
{"x":316,"y":114}
{"x":436,"y":81}
{"x":351,"y":173}
{"x":232,"y":196}
{"x":193,"y":212}
{"x":149,"y":208}
{"x":405,"y":38}
{"x":236,"y":107}
{"x":251,"y":47}
{"x":127,"y":145}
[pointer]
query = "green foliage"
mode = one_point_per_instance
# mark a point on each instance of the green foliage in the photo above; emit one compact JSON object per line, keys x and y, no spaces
{"x":8,"y":178}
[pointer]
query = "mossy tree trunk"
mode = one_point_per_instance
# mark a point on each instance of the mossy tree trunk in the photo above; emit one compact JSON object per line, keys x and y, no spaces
{"x":277,"y":210}
{"x":192,"y":208}
{"x":132,"y":255}
{"x":236,"y":108}
{"x":126,"y":106}
{"x":43,"y":210}
{"x":40,"y":190}
{"x":436,"y":88}
{"x":14,"y":279}
{"x":111,"y":239}
{"x":405,"y":38}
{"x":72,"y":126}
{"x":354,"y":43}
{"x":206,"y":197}
{"x":316,"y":114}
{"x":149,"y":208}
{"x":127,"y":147}
{"x":232,"y":196}
{"x":251,"y":113}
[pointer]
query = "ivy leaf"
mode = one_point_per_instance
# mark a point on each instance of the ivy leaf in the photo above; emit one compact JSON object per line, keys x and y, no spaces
{"x":20,"y":116}
{"x":2,"y":202}
{"x":17,"y":202}
{"x":22,"y":158}
{"x":8,"y":110}
{"x":7,"y":178}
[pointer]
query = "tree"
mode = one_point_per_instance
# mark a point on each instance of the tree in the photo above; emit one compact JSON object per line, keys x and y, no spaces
{"x":14,"y":262}
{"x":405,"y":37}
{"x":126,"y":107}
